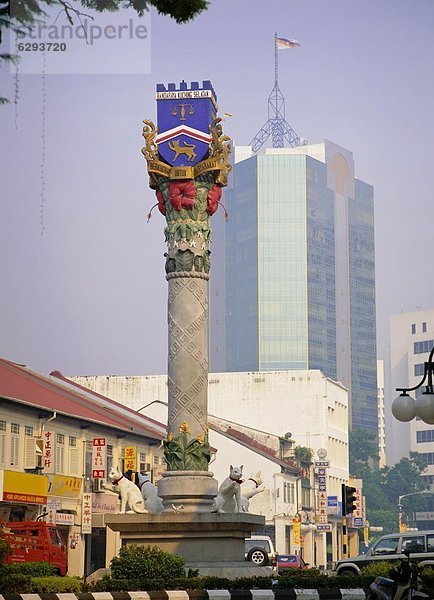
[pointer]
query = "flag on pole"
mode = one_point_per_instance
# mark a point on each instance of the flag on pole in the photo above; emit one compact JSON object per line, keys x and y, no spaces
{"x":283,"y":43}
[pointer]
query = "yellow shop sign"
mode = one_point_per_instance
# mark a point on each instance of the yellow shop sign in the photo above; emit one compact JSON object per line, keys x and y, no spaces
{"x":66,"y":486}
{"x":130,"y":458}
{"x":23,"y":487}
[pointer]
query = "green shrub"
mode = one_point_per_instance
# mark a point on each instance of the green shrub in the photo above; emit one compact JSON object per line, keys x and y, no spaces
{"x":379,"y":568}
{"x":15,"y":584}
{"x":427,"y":577}
{"x":55,"y":585}
{"x":5,"y":550}
{"x":306,"y":579}
{"x":144,"y":563}
{"x":34,"y":569}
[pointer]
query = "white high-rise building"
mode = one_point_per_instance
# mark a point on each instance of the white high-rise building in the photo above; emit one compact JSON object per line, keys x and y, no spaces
{"x":411,"y":340}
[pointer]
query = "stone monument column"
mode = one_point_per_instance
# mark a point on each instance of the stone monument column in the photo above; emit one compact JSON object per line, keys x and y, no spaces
{"x":188,"y":165}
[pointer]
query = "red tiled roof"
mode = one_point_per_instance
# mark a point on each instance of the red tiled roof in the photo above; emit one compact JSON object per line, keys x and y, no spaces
{"x":57,"y":393}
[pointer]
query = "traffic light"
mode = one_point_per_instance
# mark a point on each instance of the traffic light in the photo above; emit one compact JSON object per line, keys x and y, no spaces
{"x":350,"y":499}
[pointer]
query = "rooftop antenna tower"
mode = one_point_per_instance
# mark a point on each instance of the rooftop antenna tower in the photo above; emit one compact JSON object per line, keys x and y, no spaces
{"x":276,"y":125}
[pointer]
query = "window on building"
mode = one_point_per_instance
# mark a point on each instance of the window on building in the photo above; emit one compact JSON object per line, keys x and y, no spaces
{"x":424,"y":436}
{"x":109,"y":457}
{"x":423,"y":327}
{"x":289,"y":493}
{"x":15,"y":445}
{"x":2,"y":442}
{"x":419,"y":369}
{"x":423,"y":347}
{"x":413,"y":328}
{"x":74,"y":466}
{"x":144,"y":466}
{"x":88,"y":459}
{"x":28,"y":430}
{"x":60,"y":453}
{"x":429,"y":457}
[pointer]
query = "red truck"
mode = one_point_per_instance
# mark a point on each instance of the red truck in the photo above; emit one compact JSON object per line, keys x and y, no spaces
{"x":35,"y":541}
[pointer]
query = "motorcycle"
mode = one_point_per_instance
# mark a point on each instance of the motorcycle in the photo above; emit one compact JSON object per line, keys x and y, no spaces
{"x":405,"y":583}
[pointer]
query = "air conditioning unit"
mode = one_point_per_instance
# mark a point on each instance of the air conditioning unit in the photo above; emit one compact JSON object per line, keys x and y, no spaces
{"x":97,"y":485}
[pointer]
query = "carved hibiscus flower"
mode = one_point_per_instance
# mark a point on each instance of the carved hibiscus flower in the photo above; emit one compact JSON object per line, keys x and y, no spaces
{"x":213,"y":199}
{"x":182,"y":194}
{"x":161,"y":205}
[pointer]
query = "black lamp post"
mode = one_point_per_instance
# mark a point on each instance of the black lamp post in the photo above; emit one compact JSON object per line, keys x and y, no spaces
{"x":405,"y":408}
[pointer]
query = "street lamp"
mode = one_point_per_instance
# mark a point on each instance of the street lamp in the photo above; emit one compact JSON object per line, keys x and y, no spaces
{"x":405,"y":408}
{"x":422,"y":492}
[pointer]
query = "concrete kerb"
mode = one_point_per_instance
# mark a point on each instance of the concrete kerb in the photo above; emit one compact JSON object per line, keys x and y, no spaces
{"x":280,"y":594}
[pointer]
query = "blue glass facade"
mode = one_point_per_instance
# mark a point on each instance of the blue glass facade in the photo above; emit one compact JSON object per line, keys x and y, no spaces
{"x":320,"y":270}
{"x":362,"y":308}
{"x":280,"y":266}
{"x":281,"y":274}
{"x":241,"y":249}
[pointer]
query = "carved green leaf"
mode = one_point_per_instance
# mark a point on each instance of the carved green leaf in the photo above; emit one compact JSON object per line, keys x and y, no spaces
{"x":182,"y":453}
{"x":184,"y":260}
{"x":207,"y":261}
{"x":198,"y":263}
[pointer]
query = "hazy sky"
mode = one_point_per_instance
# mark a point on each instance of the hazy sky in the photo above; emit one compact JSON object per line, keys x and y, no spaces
{"x":89,"y":295}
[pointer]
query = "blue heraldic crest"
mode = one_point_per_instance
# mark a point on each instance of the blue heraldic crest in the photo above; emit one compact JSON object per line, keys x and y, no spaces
{"x":184,"y":117}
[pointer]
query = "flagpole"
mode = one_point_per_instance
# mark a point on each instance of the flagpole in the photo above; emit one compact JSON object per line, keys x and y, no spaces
{"x":276,"y":66}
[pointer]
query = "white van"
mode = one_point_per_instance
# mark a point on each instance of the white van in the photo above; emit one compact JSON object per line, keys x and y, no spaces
{"x":390,"y":547}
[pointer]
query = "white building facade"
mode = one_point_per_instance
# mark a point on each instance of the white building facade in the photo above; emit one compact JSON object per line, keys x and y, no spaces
{"x":411,"y":340}
{"x":309,"y":406}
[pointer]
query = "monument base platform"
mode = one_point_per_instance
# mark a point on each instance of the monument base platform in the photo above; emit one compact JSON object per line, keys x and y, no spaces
{"x":210,"y":542}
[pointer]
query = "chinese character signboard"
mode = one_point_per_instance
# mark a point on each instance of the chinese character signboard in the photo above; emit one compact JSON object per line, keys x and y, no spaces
{"x":53,"y":505}
{"x":64,"y":519}
{"x":64,"y":485}
{"x":322,"y":464}
{"x":130,"y":458}
{"x":322,"y":496}
{"x":86,"y":513}
{"x":99,"y":458}
{"x":49,"y":449}
{"x":296,"y":535}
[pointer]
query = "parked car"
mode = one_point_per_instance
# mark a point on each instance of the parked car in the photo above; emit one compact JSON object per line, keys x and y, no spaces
{"x":390,"y":548}
{"x":290,"y":561}
{"x":259,"y":549}
{"x":35,"y":541}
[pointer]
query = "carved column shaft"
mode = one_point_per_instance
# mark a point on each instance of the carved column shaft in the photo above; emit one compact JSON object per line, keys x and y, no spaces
{"x":188,"y":353}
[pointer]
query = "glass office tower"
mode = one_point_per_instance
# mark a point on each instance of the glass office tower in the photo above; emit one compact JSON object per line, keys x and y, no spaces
{"x":299,"y":270}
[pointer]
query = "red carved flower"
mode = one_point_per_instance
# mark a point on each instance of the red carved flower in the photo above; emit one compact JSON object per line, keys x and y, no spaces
{"x":161,"y":205}
{"x":213,"y":199}
{"x":182,"y":194}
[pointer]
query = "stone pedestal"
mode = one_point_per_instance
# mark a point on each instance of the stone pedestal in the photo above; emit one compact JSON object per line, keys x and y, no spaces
{"x":194,"y":490}
{"x":212,"y":543}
